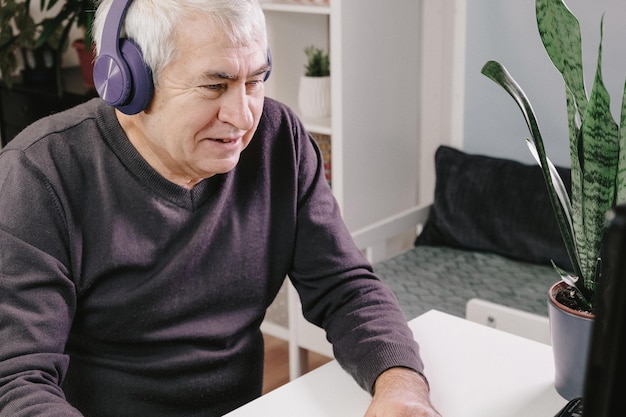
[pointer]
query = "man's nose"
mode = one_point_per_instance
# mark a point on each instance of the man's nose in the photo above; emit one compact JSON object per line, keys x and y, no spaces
{"x":235,"y":109}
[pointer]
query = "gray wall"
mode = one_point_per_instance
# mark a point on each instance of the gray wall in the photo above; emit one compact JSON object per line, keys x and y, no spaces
{"x":507,"y":32}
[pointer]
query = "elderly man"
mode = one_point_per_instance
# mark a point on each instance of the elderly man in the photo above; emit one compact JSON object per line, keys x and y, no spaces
{"x":143,"y":235}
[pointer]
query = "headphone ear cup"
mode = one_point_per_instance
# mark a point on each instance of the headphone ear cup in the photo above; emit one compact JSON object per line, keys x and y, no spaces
{"x":141,"y":85}
{"x":112,"y":79}
{"x":269,"y":65}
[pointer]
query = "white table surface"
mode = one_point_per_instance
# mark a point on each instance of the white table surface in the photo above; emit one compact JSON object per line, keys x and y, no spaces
{"x":473,"y":370}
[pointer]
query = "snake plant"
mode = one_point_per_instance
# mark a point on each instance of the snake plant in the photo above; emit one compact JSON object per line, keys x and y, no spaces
{"x":597,"y":146}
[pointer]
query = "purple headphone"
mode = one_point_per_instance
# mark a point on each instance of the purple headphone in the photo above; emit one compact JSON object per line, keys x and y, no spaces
{"x":121,"y":76}
{"x":120,"y":73}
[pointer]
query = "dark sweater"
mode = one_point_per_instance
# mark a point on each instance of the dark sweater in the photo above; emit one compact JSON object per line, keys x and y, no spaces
{"x":133,"y":296}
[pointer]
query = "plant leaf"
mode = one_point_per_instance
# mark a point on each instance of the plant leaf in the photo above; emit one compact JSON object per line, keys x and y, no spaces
{"x":560,"y":33}
{"x":497,"y":73}
{"x":51,"y":27}
{"x":559,"y":186}
{"x":600,"y":150}
{"x":621,"y":168}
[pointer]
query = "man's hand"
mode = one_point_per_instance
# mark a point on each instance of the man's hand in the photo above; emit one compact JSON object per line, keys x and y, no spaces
{"x":401,"y":392}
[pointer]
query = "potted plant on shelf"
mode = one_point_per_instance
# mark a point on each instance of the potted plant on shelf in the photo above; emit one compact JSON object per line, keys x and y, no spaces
{"x":314,"y":92}
{"x":598,"y":184}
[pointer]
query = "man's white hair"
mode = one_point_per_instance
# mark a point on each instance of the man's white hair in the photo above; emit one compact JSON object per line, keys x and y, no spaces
{"x":151,"y":24}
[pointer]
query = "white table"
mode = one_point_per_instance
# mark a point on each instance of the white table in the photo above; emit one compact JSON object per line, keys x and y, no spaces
{"x":474,"y":371}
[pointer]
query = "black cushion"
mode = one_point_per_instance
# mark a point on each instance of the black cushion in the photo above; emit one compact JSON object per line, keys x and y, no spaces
{"x":495,"y":205}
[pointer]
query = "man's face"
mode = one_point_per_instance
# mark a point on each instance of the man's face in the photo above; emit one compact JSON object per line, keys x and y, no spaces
{"x":206,"y":107}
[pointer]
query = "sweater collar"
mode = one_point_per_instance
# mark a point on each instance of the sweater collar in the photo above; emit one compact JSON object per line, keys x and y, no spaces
{"x":137,"y":166}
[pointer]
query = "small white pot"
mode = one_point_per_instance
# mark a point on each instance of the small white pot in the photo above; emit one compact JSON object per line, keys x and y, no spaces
{"x":314,"y":96}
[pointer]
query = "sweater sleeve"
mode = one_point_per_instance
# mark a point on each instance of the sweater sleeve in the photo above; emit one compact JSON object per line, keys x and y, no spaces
{"x":337,"y":286}
{"x":37,"y":298}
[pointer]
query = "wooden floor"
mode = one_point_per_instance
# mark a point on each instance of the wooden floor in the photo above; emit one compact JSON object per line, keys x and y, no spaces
{"x":277,"y":363}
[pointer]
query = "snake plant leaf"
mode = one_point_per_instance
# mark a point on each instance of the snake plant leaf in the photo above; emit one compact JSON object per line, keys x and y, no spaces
{"x":557,"y":181}
{"x":498,"y":73}
{"x":578,"y":194}
{"x":565,"y":276}
{"x":600,"y":149}
{"x":576,"y":156}
{"x":621,"y":167}
{"x":560,"y":33}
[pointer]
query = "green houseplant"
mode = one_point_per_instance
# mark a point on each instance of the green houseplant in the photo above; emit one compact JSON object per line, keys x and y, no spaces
{"x":596,"y":140}
{"x":72,"y":12}
{"x":79,"y":12}
{"x":318,"y":62}
{"x":19,"y":31}
{"x":314,"y":92}
{"x":598,"y":174}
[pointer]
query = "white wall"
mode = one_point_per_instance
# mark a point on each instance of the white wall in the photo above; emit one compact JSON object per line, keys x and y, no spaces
{"x":442,"y":46}
{"x":507,"y":32}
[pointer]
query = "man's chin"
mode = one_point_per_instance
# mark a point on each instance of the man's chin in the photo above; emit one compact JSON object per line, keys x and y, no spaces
{"x":224,"y":165}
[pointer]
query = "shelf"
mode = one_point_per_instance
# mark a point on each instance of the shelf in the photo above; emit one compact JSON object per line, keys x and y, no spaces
{"x":294,"y":6}
{"x":318,"y":125}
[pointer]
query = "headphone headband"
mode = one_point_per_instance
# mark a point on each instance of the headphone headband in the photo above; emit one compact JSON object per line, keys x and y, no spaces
{"x":113,"y":25}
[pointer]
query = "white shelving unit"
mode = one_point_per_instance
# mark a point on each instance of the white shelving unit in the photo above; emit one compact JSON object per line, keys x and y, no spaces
{"x":377,"y":159}
{"x":375,"y":59}
{"x":375,"y":68}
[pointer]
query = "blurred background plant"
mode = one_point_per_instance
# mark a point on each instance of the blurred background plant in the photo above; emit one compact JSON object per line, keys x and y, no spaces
{"x":40,"y":43}
{"x":318,"y":62}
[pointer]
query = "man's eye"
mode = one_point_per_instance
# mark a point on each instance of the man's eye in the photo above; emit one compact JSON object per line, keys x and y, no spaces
{"x":214,"y":89}
{"x":254,"y":85}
